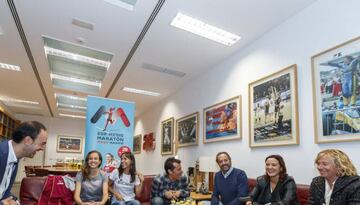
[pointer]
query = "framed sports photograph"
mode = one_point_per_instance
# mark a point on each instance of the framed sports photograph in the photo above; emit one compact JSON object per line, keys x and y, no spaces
{"x":222,"y":121}
{"x":137,"y":144}
{"x":336,"y":91}
{"x":187,"y":130}
{"x":273,"y":109}
{"x":69,"y":144}
{"x":167,"y":136}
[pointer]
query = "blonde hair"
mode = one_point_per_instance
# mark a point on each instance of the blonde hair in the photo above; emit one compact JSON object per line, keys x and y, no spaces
{"x":341,"y":160}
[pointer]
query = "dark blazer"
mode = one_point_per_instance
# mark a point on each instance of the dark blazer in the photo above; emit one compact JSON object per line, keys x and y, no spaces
{"x":4,"y":152}
{"x":283,"y":194}
{"x":346,"y":191}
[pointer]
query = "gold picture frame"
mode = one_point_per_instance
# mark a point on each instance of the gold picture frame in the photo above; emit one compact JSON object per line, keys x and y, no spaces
{"x":335,"y":88}
{"x":167,"y":136}
{"x":70,"y":144}
{"x":137,"y":142}
{"x":187,"y":130}
{"x":222,"y":121}
{"x":273,"y":109}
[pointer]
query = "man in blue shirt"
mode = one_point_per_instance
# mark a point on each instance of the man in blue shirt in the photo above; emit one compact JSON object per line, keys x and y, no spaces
{"x":230,"y":183}
{"x":170,"y":186}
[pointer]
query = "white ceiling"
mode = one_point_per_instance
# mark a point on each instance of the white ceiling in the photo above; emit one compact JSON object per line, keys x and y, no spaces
{"x":115,"y":31}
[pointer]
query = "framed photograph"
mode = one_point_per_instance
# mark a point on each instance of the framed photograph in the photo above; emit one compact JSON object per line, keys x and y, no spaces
{"x":137,"y":144}
{"x":273,"y":109}
{"x":187,"y":130}
{"x":167,"y":136}
{"x":336,"y":91}
{"x":222,"y":121}
{"x":69,"y":144}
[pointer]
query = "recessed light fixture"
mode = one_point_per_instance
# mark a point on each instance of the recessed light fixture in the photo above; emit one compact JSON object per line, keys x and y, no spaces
{"x":76,"y":57}
{"x":72,"y":116}
{"x":138,"y":91}
{"x":75,"y":80}
{"x":125,"y":4}
{"x":10,"y":67}
{"x":71,"y":106}
{"x":6,"y":99}
{"x":72,"y":97}
{"x":203,"y":29}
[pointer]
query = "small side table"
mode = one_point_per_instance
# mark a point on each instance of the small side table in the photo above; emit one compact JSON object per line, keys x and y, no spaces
{"x":199,"y":196}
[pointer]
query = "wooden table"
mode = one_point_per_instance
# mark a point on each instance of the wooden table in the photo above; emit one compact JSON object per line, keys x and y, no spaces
{"x":63,"y":171}
{"x":199,"y":196}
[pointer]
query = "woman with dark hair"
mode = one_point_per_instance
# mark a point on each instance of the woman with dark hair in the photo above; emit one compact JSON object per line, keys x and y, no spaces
{"x":124,"y":180}
{"x":275,"y":187}
{"x":91,"y":184}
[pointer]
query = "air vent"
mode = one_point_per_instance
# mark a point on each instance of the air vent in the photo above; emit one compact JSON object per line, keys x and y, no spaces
{"x":152,"y":67}
{"x":83,"y":24}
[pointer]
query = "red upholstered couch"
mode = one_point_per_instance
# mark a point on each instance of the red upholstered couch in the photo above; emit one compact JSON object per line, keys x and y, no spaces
{"x":31,"y":188}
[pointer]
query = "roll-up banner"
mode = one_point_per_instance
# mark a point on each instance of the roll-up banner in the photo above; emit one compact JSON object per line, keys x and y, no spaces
{"x":109,"y":126}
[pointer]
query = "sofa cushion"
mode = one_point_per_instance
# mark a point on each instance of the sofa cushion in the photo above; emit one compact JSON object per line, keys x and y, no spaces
{"x":30,"y":190}
{"x":146,"y":189}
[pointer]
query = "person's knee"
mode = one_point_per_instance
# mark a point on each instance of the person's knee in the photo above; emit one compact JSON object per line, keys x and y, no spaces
{"x":157,"y":201}
{"x":133,"y":202}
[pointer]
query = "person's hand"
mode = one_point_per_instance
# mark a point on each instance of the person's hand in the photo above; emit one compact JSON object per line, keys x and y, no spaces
{"x":118,"y":196}
{"x":141,"y":177}
{"x":9,"y":201}
{"x":176,"y":194}
{"x":169,"y":194}
{"x":249,"y":203}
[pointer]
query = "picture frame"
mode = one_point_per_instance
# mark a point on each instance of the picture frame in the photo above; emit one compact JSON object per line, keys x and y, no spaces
{"x":137,"y":142}
{"x":167,"y":136}
{"x":222,"y":121}
{"x":187,"y":130}
{"x":335,"y":88}
{"x":273,"y":109}
{"x":69,"y":144}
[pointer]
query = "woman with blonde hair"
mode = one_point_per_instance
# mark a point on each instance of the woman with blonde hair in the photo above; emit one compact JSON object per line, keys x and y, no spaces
{"x":338,"y":183}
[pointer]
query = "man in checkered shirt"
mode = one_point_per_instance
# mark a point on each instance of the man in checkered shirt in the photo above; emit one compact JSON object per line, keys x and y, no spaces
{"x":171,"y":185}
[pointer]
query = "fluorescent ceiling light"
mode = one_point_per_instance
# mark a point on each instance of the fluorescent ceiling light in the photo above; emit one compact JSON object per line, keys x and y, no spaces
{"x":6,"y":99}
{"x":200,"y":28}
{"x":76,"y":57}
{"x":125,"y":4}
{"x":75,"y":80}
{"x":72,"y":116}
{"x":10,"y":67}
{"x":70,"y":97}
{"x":138,"y":91}
{"x":70,"y":106}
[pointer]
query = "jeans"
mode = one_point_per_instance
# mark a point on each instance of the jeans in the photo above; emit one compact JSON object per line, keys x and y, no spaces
{"x":159,"y":201}
{"x":131,"y":202}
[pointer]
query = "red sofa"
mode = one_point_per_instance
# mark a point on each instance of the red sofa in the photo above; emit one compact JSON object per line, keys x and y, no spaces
{"x":31,"y":188}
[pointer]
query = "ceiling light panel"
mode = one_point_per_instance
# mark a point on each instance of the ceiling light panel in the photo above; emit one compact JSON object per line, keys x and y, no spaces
{"x":74,"y":67}
{"x":139,"y":91}
{"x":72,"y":116}
{"x":10,"y":67}
{"x":163,"y":70}
{"x":203,"y":29}
{"x":70,"y":103}
{"x":125,"y":4}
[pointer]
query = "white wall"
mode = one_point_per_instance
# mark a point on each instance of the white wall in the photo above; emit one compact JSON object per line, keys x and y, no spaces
{"x":322,"y":25}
